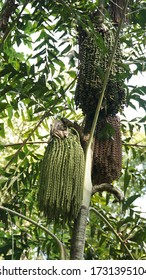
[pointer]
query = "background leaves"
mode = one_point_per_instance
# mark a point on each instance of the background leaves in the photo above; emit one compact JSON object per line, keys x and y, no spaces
{"x":38,"y":70}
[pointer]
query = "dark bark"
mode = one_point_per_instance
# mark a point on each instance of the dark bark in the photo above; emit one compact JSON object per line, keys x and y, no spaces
{"x":7,"y":11}
{"x":116,"y":8}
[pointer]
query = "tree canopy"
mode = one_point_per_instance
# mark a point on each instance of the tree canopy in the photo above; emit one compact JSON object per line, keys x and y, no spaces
{"x":38,"y":74}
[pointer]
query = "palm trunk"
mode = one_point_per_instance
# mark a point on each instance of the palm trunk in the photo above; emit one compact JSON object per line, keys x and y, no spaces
{"x":78,"y":236}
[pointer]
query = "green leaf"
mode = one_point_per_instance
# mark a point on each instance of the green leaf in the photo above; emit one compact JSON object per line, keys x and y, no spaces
{"x":2,"y":146}
{"x":2,"y":130}
{"x":127,"y":178}
{"x":129,"y":201}
{"x":42,"y":52}
{"x":7,"y":69}
{"x":66,"y":50}
{"x":10,"y":124}
{"x":60,"y":63}
{"x":142,"y":18}
{"x":10,"y":112}
{"x":3,"y":106}
{"x":142,"y":120}
{"x":72,"y":73}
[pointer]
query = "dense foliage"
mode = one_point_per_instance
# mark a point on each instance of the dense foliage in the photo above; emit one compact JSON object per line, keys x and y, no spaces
{"x":38,"y":70}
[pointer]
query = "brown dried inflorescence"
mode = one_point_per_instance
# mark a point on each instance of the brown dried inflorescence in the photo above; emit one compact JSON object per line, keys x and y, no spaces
{"x":93,"y":63}
{"x":107,"y":156}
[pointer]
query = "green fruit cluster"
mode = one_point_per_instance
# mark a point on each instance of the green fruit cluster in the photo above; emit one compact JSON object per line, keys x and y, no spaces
{"x":61,"y":178}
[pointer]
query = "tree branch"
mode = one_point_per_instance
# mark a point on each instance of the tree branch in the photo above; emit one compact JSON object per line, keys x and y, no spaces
{"x":61,"y":246}
{"x":45,"y":142}
{"x":108,"y":188}
{"x":134,"y":145}
{"x":113,"y":230}
{"x":20,"y":143}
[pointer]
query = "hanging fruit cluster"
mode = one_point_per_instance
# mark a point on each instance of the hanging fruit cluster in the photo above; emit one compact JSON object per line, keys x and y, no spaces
{"x":107,"y":162}
{"x":61,"y":179}
{"x":93,"y":63}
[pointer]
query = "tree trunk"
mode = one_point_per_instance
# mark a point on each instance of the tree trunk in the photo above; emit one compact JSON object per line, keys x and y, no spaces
{"x":78,"y":235}
{"x":79,"y":230}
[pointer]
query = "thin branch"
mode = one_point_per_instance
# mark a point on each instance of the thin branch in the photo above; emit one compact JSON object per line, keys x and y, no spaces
{"x":20,"y":143}
{"x":113,"y":230}
{"x":12,"y":212}
{"x":136,"y":11}
{"x":45,"y":142}
{"x":108,"y":188}
{"x":134,"y":145}
{"x":116,"y":4}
